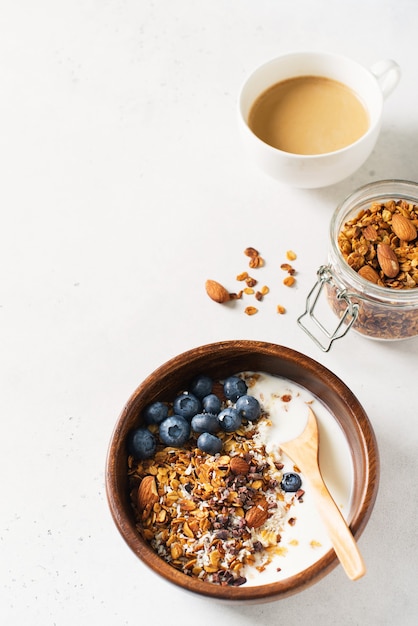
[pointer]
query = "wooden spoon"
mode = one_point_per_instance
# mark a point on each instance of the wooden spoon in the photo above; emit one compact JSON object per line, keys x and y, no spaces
{"x":303,"y":451}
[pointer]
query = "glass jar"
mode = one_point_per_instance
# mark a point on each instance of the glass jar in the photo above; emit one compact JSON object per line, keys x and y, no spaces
{"x":376,"y":311}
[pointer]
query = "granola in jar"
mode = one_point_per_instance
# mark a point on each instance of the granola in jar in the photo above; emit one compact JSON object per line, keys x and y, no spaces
{"x":379,"y":243}
{"x":371,"y":277}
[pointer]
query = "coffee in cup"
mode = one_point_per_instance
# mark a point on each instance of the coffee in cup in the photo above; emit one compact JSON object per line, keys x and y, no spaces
{"x":308,"y":115}
{"x":310,"y":119}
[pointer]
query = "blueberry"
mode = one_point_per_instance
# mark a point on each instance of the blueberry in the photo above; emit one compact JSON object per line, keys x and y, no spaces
{"x":211,"y":404}
{"x":229,"y":419}
{"x":155,"y":412}
{"x":248,"y":407}
{"x":201,"y":386}
{"x":291,"y":482}
{"x":141,"y":443}
{"x":234,"y":387}
{"x":186,"y":405}
{"x":205,"y":423}
{"x":174,"y":431}
{"x":209,"y":443}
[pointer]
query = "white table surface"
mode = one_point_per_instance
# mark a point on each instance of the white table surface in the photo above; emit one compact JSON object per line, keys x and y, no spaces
{"x":123,"y":188}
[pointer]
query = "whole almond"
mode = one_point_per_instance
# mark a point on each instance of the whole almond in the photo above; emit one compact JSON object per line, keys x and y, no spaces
{"x":216,"y":291}
{"x":388,"y":260}
{"x":257,"y":515}
{"x":239,"y":465}
{"x":147,"y":495}
{"x":403,"y":227}
{"x":369,"y":273}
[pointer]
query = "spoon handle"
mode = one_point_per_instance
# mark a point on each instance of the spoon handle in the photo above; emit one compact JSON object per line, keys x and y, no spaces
{"x":341,"y":537}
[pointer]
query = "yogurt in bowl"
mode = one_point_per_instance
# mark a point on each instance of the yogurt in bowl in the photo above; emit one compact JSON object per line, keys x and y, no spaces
{"x":304,"y":537}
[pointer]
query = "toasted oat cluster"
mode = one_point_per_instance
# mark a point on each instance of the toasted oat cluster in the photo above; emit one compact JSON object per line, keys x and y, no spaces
{"x":381,"y":244}
{"x":211,"y":516}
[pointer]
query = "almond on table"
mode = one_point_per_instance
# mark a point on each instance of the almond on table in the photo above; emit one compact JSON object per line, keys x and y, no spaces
{"x":217,"y":292}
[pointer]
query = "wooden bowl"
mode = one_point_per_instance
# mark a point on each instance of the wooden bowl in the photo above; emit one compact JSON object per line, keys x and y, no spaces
{"x":220,"y":360}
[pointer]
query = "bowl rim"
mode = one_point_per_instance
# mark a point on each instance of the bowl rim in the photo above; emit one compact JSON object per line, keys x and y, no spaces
{"x":118,"y":499}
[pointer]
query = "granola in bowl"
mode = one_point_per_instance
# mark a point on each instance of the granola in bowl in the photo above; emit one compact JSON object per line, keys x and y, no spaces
{"x":227,"y":518}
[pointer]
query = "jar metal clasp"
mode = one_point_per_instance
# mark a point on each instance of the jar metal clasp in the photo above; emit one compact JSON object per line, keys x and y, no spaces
{"x":347,"y":317}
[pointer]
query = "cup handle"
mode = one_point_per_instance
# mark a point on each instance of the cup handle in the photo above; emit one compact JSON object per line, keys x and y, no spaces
{"x":387,"y":74}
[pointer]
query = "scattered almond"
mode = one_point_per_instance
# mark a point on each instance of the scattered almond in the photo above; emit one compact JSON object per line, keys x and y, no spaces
{"x":250,"y":310}
{"x":147,"y":495}
{"x":239,"y":465}
{"x":217,"y":292}
{"x":368,"y":273}
{"x":388,"y":260}
{"x":258,"y":514}
{"x":403,"y":227}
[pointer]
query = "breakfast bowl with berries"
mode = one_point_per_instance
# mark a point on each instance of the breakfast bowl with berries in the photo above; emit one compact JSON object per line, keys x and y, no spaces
{"x":200,"y":489}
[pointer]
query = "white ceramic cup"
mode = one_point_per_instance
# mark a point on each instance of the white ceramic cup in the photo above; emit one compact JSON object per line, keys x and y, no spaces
{"x":372,"y":86}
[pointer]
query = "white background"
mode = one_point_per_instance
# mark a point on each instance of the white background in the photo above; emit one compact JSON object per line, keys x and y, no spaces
{"x":123,"y":188}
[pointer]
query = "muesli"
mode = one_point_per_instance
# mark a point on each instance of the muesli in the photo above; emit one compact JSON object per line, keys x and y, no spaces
{"x":213,"y":516}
